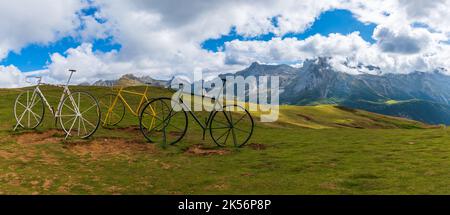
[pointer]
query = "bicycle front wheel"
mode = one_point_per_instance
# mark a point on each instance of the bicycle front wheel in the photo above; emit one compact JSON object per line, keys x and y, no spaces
{"x":80,"y":115}
{"x":160,"y":122}
{"x":113,"y":110}
{"x":29,"y":110}
{"x":232,"y":126}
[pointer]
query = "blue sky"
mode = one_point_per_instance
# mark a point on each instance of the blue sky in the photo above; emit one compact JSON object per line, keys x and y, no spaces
{"x":333,"y":21}
{"x":37,"y":56}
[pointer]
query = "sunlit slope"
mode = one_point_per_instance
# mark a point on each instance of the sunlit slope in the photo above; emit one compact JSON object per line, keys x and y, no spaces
{"x":321,"y":116}
{"x":330,"y":116}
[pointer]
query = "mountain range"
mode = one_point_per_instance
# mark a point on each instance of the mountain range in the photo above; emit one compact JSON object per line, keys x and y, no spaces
{"x":132,"y":80}
{"x":422,"y":96}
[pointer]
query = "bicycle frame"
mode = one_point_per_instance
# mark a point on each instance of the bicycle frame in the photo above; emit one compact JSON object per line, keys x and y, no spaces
{"x":66,"y":92}
{"x":143,"y":96}
{"x":205,"y":126}
{"x":119,"y":95}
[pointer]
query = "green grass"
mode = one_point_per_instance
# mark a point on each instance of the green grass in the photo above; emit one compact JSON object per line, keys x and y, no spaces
{"x":311,"y":150}
{"x":392,"y":102}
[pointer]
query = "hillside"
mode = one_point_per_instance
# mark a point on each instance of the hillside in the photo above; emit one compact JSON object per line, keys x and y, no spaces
{"x":321,"y":149}
{"x":330,"y":116}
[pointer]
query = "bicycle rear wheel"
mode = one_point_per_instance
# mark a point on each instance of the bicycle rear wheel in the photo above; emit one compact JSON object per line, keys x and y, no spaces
{"x":160,"y":123}
{"x":80,"y":115}
{"x":232,"y":126}
{"x":29,"y":110}
{"x":113,"y":110}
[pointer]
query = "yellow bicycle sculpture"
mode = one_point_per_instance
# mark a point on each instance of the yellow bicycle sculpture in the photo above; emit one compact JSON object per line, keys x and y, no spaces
{"x":113,"y":106}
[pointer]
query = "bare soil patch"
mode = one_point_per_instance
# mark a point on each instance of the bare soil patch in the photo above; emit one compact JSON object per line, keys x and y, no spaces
{"x":307,"y":118}
{"x":50,"y":136}
{"x":200,"y":150}
{"x":128,"y":129}
{"x":6,"y":155}
{"x":349,"y":125}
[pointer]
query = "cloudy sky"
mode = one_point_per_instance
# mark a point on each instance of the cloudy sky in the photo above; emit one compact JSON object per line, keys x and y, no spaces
{"x":104,"y":39}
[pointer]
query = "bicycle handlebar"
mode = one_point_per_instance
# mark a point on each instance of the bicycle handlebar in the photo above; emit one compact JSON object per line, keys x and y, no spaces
{"x":39,"y":78}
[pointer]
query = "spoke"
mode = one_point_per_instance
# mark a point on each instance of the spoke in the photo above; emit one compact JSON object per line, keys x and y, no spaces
{"x":79,"y":126}
{"x":220,"y":137}
{"x":152,"y":121}
{"x":34,"y":115}
{"x":231,"y":117}
{"x":21,"y":117}
{"x":29,"y":117}
{"x":149,"y":112}
{"x":226,"y":138}
{"x":151,"y":129}
{"x":70,"y":108}
{"x":221,"y":128}
{"x":65,"y":123}
{"x":221,"y":122}
{"x":88,"y":122}
{"x":28,"y":98}
{"x":117,"y":114}
{"x":175,"y":127}
{"x":71,"y":115}
{"x":232,"y":129}
{"x":94,"y":105}
{"x":167,"y":119}
{"x":35,"y":101}
{"x":20,"y":103}
{"x":84,"y":126}
{"x":240,"y":119}
{"x":234,"y":136}
{"x":241,"y":130}
{"x":70,"y":130}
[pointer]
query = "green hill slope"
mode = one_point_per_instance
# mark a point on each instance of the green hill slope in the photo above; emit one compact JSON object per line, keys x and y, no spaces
{"x":331,"y":116}
{"x":421,"y":110}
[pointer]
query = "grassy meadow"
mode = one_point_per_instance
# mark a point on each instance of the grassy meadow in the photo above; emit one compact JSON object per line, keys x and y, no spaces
{"x":310,"y":150}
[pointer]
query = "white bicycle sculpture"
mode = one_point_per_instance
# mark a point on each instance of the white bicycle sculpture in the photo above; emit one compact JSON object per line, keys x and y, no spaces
{"x":78,"y":112}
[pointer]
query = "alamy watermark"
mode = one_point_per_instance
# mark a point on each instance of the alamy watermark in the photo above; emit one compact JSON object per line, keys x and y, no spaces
{"x":258,"y":95}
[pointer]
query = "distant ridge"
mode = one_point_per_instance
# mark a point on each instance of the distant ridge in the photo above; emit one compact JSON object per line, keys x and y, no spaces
{"x":132,"y":80}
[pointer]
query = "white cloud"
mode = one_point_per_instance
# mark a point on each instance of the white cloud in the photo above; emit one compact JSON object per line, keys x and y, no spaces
{"x":291,"y":49}
{"x":167,"y":35}
{"x":89,"y":65}
{"x":163,"y":38}
{"x":343,"y":48}
{"x":24,"y":22}
{"x":10,"y":76}
{"x":410,"y":41}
